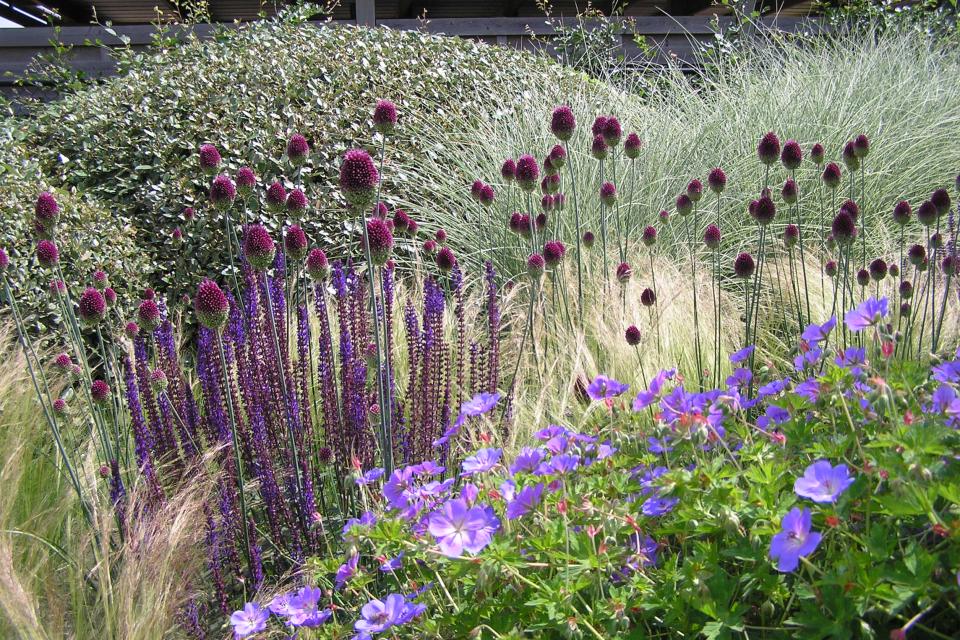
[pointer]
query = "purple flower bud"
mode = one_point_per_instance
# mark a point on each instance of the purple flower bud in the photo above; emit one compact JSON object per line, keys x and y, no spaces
{"x":906,"y":289}
{"x":380,"y":239}
{"x":717,"y":180}
{"x":902,"y":213}
{"x":941,"y":200}
{"x":599,"y":148}
{"x":209,"y":158}
{"x":177,"y":235}
{"x":100,"y":279}
{"x":648,"y":298}
{"x":830,"y":268}
{"x":324,"y":455}
{"x":401,"y":221}
{"x":148,"y":315}
{"x":711,"y":236}
{"x":4,"y":261}
{"x":296,"y":202}
{"x":276,"y":196}
{"x":905,"y":309}
{"x":149,"y":294}
{"x":508,"y":170}
{"x":878,"y":269}
{"x":768,"y":150}
{"x":132,"y":329}
{"x":936,"y":241}
{"x":430,"y":247}
{"x":863,"y":277}
{"x":850,"y":157}
{"x":817,"y":153}
{"x":358,"y":178}
{"x":791,"y":234}
{"x":624,"y":272}
{"x":743,"y":265}
{"x":541,"y":220}
{"x":852,"y":208}
{"x":189,"y":214}
{"x":608,"y":194}
{"x":861,"y":146}
{"x":100,"y":392}
{"x":110,"y":296}
{"x":222,"y":192}
{"x":612,"y":131}
{"x":927,"y":213}
{"x":548,"y":168}
{"x":558,"y":156}
{"x":792,"y":155}
{"x":46,"y":209}
{"x":475,"y":189}
{"x":844,"y":227}
{"x":63,"y":362}
{"x":684,"y":204}
{"x":632,"y":146}
{"x":664,"y":216}
{"x":916,"y":254}
{"x":559,"y":200}
{"x":894,"y":270}
{"x":546,"y":202}
{"x":553,"y":253}
{"x":832,"y":175}
{"x":48,"y":255}
{"x":295,"y":242}
{"x":258,"y":247}
{"x":318,"y":267}
{"x":211,"y":306}
{"x":298,"y":149}
{"x":446,"y":261}
{"x":550,"y":184}
{"x":246,"y":180}
{"x":440,"y":236}
{"x":60,"y":407}
{"x":789,"y":191}
{"x":599,"y":124}
{"x":562,"y":122}
{"x":158,"y":380}
{"x":649,"y":236}
{"x":632,"y":335}
{"x":535,"y":266}
{"x":92,"y":307}
{"x":765,"y":211}
{"x":528,"y":173}
{"x":384,"y":116}
{"x":588,"y":239}
{"x":695,"y":190}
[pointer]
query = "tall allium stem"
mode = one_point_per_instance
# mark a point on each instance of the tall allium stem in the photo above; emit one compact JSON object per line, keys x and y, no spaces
{"x":795,"y":290}
{"x":528,"y":328}
{"x":653,"y":278}
{"x":603,"y":236}
{"x":943,"y":308}
{"x":693,"y":284}
{"x":758,"y":283}
{"x":863,"y":217}
{"x":577,"y":232}
{"x":927,"y":299}
{"x":621,"y":249}
{"x":228,"y":394}
{"x":715,"y":290}
{"x":803,"y":261}
{"x":230,"y":237}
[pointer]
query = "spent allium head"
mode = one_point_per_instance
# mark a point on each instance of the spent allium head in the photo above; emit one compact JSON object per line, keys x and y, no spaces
{"x":46,"y":208}
{"x":878,"y":269}
{"x":588,"y":239}
{"x":562,"y":122}
{"x":535,"y":266}
{"x":832,"y":175}
{"x":624,"y":272}
{"x":553,"y":252}
{"x":258,"y":247}
{"x":608,"y":194}
{"x":430,"y":247}
{"x":48,"y":255}
{"x":632,"y":146}
{"x":528,"y":172}
{"x":211,"y":306}
{"x":916,"y":254}
{"x":508,"y":170}
{"x":296,"y":202}
{"x":830,"y":268}
{"x":850,"y":157}
{"x":902,"y":213}
{"x":765,"y":211}
{"x":558,"y":156}
{"x":941,"y":200}
{"x":222,"y":192}
{"x":695,"y":190}
{"x":792,"y":155}
{"x":861,"y":146}
{"x":276,"y":196}
{"x":711,"y":236}
{"x":384,"y":116}
{"x":768,"y":149}
{"x":817,"y":153}
{"x":295,"y":242}
{"x":789,"y":191}
{"x":380,"y":240}
{"x":209,"y":158}
{"x":927,"y":213}
{"x":612,"y":132}
{"x":4,"y":261}
{"x":649,"y":235}
{"x":791,"y":234}
{"x":599,"y":148}
{"x":92,"y":307}
{"x":110,"y":296}
{"x":298,"y":149}
{"x":318,"y":267}
{"x":246,"y":180}
{"x":844,"y":228}
{"x":99,"y":392}
{"x":743,"y":265}
{"x":684,"y":204}
{"x":632,"y":335}
{"x":648,"y":298}
{"x":148,"y":315}
{"x":358,"y":178}
{"x":863,"y":277}
{"x":446,"y":261}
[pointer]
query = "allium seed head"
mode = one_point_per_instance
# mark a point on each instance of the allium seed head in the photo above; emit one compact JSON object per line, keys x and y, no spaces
{"x":297,"y":202}
{"x":612,"y":131}
{"x":514,"y":222}
{"x":588,"y":239}
{"x":832,"y":175}
{"x":817,"y":153}
{"x":528,"y":172}
{"x":789,"y":191}
{"x":298,"y":149}
{"x":861,"y":146}
{"x":608,"y":194}
{"x":559,"y":200}
{"x":446,"y":261}
{"x":246,"y":180}
{"x":148,"y":315}
{"x":695,"y":190}
{"x":792,"y":155}
{"x":878,"y":269}
{"x":258,"y":247}
{"x":553,"y":253}
{"x":664,"y":216}
{"x":649,"y":235}
{"x":380,"y":239}
{"x":48,"y":255}
{"x":295,"y":242}
{"x":209,"y":158}
{"x":158,"y":380}
{"x":624,"y":272}
{"x":358,"y":178}
{"x":927,"y":213}
{"x":222,"y":192}
{"x":318,"y":267}
{"x":632,"y":335}
{"x":100,"y":392}
{"x":211,"y":306}
{"x":535,"y":266}
{"x":599,"y":148}
{"x":902,"y":213}
{"x":46,"y":209}
{"x":768,"y":150}
{"x":562,"y":122}
{"x":384,"y":116}
{"x":743,"y":265}
{"x":711,"y":236}
{"x":92,"y":307}
{"x":632,"y":146}
{"x":648,"y":298}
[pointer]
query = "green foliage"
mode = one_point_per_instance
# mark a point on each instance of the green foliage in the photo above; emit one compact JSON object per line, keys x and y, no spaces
{"x":935,"y":19}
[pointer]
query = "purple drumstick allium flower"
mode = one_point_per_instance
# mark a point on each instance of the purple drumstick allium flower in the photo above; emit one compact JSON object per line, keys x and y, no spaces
{"x":791,"y":234}
{"x":902,"y":213}
{"x":246,"y":180}
{"x":861,"y":146}
{"x":604,"y":388}
{"x":487,"y":195}
{"x":295,"y":242}
{"x":222,"y":192}
{"x":711,"y":236}
{"x":211,"y":306}
{"x":816,"y":154}
{"x":792,"y":155}
{"x":768,"y":150}
{"x":927,"y":213}
{"x":743,"y":265}
{"x":380,"y":239}
{"x":446,"y":261}
{"x":528,"y":172}
{"x":131,"y":329}
{"x":598,"y":124}
{"x":558,"y":156}
{"x":209,"y":158}
{"x":297,"y":202}
{"x":612,"y":131}
{"x":100,"y":392}
{"x":832,"y":175}
{"x":318,"y":267}
{"x":535,"y":266}
{"x":4,"y":261}
{"x":632,"y":335}
{"x":649,"y":236}
{"x":482,"y":461}
{"x":599,"y":148}
{"x":298,"y":149}
{"x":46,"y":209}
{"x":401,"y":222}
{"x":717,"y":180}
{"x":384,"y":116}
{"x":695,"y":190}
{"x":765,"y":211}
{"x":526,"y":500}
{"x":623,"y":273}
{"x":632,"y":146}
{"x":550,"y":184}
{"x":63,"y":362}
{"x":906,"y":289}
{"x":100,"y":279}
{"x":475,"y":189}
{"x":508,"y":170}
{"x":148,"y":315}
{"x":950,"y":265}
{"x":822,"y":482}
{"x":553,"y":253}
{"x":647,"y":297}
{"x":57,"y":288}
{"x":276,"y":196}
{"x":60,"y":406}
{"x":684,"y":204}
{"x":608,"y":194}
{"x":249,"y":620}
{"x":440,"y":236}
{"x":869,"y":313}
{"x":92,"y":307}
{"x":588,"y":239}
{"x":941,"y":200}
{"x":878,"y":269}
{"x":844,"y":228}
{"x":258,"y":247}
{"x":562,"y":122}
{"x":48,"y":255}
{"x":459,"y":527}
{"x":794,"y":541}
{"x":789,"y":192}
{"x":358,"y":178}
{"x":430,"y":247}
{"x":850,"y":158}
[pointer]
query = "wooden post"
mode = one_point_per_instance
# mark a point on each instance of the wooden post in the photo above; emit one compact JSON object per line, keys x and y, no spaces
{"x":366,"y":13}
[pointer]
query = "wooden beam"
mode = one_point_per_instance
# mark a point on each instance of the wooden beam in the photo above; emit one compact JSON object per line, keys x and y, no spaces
{"x":366,"y":13}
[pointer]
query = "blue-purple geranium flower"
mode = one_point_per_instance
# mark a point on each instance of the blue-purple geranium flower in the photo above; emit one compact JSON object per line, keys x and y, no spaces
{"x":796,"y":540}
{"x":249,"y":620}
{"x":869,"y":313}
{"x":525,"y":501}
{"x":822,"y":482}
{"x":604,"y":388}
{"x":481,"y":462}
{"x":459,"y":527}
